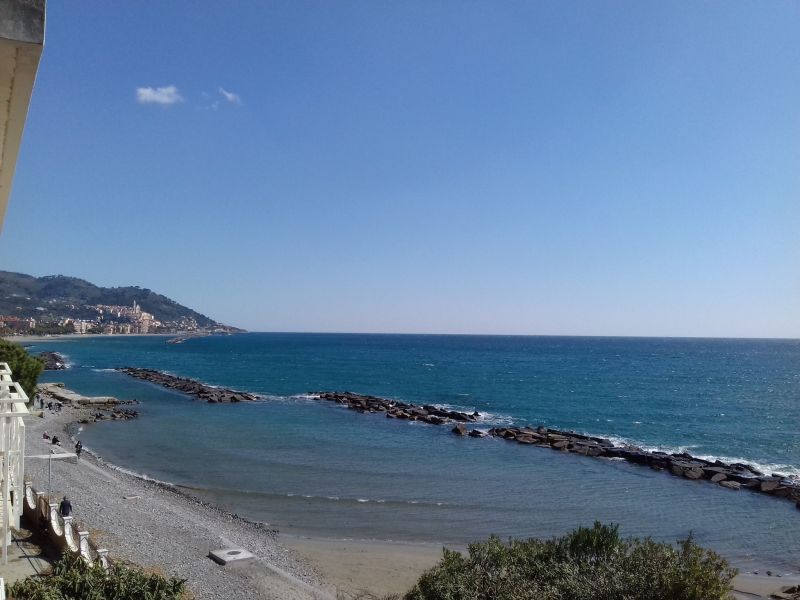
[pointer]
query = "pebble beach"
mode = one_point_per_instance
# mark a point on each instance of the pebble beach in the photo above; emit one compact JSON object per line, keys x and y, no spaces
{"x":155,"y":525}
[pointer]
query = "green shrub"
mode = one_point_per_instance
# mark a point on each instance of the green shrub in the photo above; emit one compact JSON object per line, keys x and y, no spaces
{"x":25,"y":369}
{"x":587,"y":564}
{"x":73,"y":579}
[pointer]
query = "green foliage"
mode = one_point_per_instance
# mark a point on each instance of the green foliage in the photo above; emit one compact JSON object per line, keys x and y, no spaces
{"x":25,"y":369}
{"x":68,"y":297}
{"x":74,"y":579}
{"x":51,"y":329}
{"x":587,"y":564}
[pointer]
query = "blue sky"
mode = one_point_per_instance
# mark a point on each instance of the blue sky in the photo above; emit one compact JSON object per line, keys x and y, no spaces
{"x":618,"y":168}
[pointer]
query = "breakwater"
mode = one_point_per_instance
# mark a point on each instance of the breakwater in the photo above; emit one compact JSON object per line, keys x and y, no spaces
{"x":733,"y":476}
{"x":53,"y":361}
{"x":395,"y":409}
{"x":191,"y":387}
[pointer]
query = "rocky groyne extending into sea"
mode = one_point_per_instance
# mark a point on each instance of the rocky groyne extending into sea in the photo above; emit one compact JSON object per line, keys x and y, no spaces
{"x":201,"y":391}
{"x":53,"y":361}
{"x":395,"y":409}
{"x":733,"y":476}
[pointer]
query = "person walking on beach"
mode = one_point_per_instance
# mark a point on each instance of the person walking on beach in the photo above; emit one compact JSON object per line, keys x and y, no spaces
{"x":65,"y":508}
{"x":78,"y":448}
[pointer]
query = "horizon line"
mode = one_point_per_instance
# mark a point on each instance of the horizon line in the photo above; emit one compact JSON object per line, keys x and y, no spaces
{"x":567,"y":335}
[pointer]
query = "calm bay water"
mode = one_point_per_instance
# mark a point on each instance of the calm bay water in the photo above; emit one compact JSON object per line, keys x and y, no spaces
{"x":312,"y":468}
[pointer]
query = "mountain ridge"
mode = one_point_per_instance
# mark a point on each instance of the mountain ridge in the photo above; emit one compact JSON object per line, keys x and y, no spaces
{"x":62,"y":296}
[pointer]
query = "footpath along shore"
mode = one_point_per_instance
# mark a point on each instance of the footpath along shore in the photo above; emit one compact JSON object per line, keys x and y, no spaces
{"x":155,"y":525}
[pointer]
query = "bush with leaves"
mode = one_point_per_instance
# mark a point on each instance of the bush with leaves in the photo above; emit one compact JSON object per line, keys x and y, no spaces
{"x":25,"y":369}
{"x":73,"y":579}
{"x":588,"y":564}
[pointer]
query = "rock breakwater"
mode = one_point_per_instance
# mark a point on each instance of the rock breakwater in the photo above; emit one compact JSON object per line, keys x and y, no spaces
{"x":194,"y":388}
{"x":733,"y":476}
{"x":53,"y":361}
{"x":395,"y":409}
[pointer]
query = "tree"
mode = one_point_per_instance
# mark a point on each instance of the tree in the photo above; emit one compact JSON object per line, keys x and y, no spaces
{"x":25,"y":369}
{"x":588,"y":564}
{"x":74,"y":579}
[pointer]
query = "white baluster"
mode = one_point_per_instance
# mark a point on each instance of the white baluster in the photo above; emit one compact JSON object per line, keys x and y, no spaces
{"x":69,"y":534}
{"x":55,"y":523}
{"x":102,"y":556}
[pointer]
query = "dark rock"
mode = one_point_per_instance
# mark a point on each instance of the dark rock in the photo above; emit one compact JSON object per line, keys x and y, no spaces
{"x":188,"y":386}
{"x":53,"y":361}
{"x":693,"y":473}
{"x":719,"y":477}
{"x":731,"y":485}
{"x":460,"y":429}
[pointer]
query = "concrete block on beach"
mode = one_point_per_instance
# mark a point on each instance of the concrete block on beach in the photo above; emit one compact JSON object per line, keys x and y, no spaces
{"x":58,"y":392}
{"x":226,"y":556}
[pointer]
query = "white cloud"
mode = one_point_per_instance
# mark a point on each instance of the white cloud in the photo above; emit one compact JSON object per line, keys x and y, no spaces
{"x":230,"y":96}
{"x":163,"y":95}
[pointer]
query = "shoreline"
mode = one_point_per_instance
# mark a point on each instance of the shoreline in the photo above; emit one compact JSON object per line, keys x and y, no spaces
{"x":291,"y":565}
{"x":62,"y":337}
{"x":156,"y":525}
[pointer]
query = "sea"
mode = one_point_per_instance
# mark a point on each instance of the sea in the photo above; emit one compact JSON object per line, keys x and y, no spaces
{"x":313,"y":468}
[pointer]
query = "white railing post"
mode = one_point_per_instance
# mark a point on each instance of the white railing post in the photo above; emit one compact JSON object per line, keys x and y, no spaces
{"x":102,"y":556}
{"x":54,"y":524}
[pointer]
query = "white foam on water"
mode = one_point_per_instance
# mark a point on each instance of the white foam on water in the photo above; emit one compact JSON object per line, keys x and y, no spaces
{"x":792,"y":471}
{"x":484,"y":416}
{"x":363,"y":500}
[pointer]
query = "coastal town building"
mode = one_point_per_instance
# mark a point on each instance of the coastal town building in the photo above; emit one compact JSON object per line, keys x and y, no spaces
{"x":15,"y":324}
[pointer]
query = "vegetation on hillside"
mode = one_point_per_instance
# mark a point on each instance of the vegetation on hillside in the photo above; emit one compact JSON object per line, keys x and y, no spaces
{"x":73,"y":579}
{"x":588,"y":564}
{"x":25,"y":369}
{"x":23,"y":296}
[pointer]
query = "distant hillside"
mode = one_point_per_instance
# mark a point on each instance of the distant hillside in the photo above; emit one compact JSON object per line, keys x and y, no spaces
{"x":57,"y":296}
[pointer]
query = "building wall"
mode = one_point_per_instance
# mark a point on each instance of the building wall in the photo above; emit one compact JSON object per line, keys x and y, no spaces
{"x":21,"y":41}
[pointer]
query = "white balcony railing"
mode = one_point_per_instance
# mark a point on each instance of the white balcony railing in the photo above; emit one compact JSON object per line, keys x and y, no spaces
{"x":12,"y":455}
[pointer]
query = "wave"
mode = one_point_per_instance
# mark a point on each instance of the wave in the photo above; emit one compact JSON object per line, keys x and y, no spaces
{"x":484,"y":418}
{"x":126,"y":471}
{"x":791,"y":471}
{"x":355,"y":500}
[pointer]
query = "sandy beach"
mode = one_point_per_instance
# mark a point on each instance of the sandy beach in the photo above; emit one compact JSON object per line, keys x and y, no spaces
{"x":159,"y":526}
{"x":33,"y":339}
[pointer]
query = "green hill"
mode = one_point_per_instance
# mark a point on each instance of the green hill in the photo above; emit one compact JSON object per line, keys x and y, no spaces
{"x":57,"y":296}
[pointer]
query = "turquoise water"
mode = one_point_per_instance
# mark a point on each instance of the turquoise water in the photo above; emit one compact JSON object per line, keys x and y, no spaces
{"x":313,"y":468}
